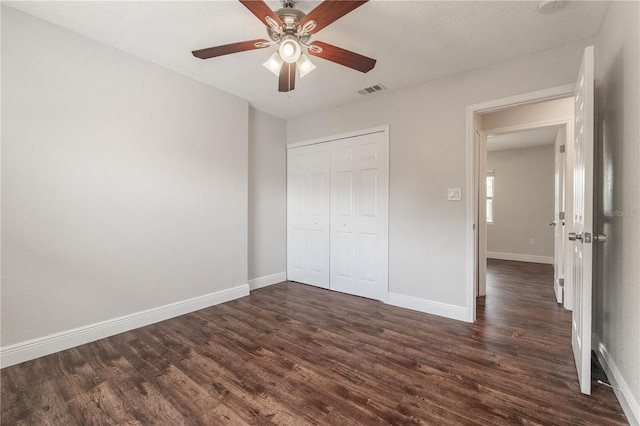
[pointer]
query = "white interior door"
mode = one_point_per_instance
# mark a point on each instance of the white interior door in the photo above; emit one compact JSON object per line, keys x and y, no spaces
{"x":559,"y":220}
{"x":583,"y":220}
{"x":481,"y":166}
{"x":359,"y":215}
{"x":308,"y":198}
{"x":568,"y":223}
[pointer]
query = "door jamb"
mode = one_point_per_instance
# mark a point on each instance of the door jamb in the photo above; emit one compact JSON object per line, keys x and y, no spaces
{"x":472,"y":176}
{"x":563,"y":123}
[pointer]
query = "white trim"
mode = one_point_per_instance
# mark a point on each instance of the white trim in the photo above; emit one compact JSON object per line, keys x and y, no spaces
{"x":471,"y":199}
{"x":525,"y":98}
{"x":428,"y":306}
{"x":629,"y":405}
{"x":520,"y":257}
{"x":35,"y":348}
{"x":354,"y":134}
{"x":529,"y":125}
{"x":267,"y":280}
{"x":472,"y":214}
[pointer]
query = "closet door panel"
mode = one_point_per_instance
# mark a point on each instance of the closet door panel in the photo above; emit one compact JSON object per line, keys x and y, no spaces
{"x":343,"y":236}
{"x":295,"y":261}
{"x":368,"y":259}
{"x":296,"y":217}
{"x":308,"y":189}
{"x":358,"y":209}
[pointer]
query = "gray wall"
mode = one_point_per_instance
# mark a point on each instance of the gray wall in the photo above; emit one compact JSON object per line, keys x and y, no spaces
{"x":427,"y":233}
{"x":267,"y":195}
{"x":523,"y":201}
{"x":617,"y":297}
{"x":124,"y":185}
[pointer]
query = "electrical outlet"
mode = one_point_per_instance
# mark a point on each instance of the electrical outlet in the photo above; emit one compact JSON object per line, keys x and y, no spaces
{"x":532,"y":242}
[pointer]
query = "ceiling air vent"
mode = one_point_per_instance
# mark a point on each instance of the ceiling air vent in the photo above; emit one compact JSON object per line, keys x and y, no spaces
{"x":371,"y":90}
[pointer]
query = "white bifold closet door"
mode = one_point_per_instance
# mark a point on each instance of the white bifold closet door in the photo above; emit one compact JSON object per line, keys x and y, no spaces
{"x":308,"y":198}
{"x":359,"y":199}
{"x":337,"y":212}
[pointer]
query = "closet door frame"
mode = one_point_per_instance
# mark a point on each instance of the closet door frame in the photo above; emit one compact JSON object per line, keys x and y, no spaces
{"x":383,"y":271}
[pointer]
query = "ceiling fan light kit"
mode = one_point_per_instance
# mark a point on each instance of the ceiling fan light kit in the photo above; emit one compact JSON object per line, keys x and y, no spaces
{"x":291,"y":29}
{"x":274,"y":63}
{"x":289,"y":49}
{"x":305,"y":66}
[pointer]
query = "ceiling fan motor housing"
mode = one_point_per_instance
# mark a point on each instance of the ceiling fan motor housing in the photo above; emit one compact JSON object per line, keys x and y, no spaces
{"x":290,"y":17}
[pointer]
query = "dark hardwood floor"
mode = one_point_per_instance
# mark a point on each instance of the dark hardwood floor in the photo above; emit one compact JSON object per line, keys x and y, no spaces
{"x":294,"y":354}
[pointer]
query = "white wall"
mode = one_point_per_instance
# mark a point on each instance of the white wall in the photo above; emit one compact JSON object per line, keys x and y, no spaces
{"x":427,"y":235}
{"x":523,"y":203}
{"x":267,"y":198}
{"x":617,"y":296}
{"x":124,"y":185}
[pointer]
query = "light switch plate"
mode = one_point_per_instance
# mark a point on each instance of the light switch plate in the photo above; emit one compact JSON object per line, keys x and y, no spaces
{"x":454,"y":194}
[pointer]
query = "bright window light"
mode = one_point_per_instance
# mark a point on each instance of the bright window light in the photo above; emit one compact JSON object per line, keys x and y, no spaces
{"x":490,"y":192}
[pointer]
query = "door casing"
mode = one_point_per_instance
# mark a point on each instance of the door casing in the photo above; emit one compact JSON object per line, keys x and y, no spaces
{"x":473,"y":174}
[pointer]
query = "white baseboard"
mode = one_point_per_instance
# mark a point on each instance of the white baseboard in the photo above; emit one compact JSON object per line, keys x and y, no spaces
{"x":257,"y":283}
{"x":428,"y":306}
{"x":520,"y":257}
{"x":35,"y":348}
{"x":623,"y":393}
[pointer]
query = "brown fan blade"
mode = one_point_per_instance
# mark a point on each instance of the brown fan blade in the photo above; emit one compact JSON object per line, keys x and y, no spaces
{"x":212,"y":52}
{"x":330,"y":11}
{"x":342,"y":57}
{"x":260,"y":9}
{"x":287,"y":79}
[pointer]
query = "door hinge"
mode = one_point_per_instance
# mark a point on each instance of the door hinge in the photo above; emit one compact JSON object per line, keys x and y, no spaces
{"x":562,"y":148}
{"x":561,"y":282}
{"x":561,"y":215}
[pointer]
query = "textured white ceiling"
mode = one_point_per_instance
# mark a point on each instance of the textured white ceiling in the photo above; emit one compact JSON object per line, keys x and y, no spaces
{"x":413,"y":41}
{"x":522,"y":139}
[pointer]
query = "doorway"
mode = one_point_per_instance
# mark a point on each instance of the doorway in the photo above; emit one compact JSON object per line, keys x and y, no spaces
{"x":500,"y":117}
{"x":521,"y":191}
{"x":581,"y":227}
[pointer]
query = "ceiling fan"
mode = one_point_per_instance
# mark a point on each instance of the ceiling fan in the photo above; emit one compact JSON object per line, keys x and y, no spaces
{"x":291,"y":29}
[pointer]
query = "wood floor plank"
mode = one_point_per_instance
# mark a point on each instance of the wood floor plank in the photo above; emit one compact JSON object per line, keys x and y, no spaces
{"x":292,"y":354}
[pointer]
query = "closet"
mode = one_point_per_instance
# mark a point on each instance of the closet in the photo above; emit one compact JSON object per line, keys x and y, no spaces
{"x":337,"y":213}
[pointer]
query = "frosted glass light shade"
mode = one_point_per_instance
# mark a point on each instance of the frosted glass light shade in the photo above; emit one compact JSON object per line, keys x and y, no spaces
{"x":289,"y":49}
{"x":274,"y":63}
{"x":305,"y":66}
